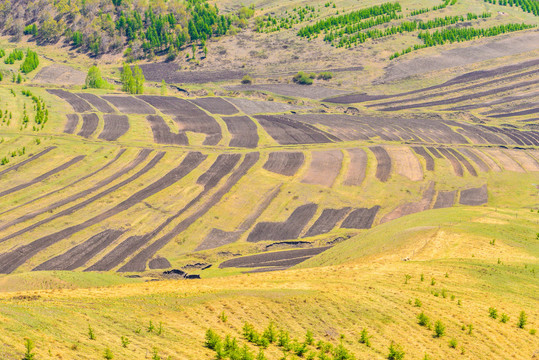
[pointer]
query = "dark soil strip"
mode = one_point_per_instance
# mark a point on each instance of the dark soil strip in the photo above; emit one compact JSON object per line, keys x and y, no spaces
{"x":218,"y":237}
{"x":171,"y":73}
{"x":429,"y":161}
{"x":412,"y":207}
{"x":457,"y":167}
{"x":162,"y":134}
{"x":284,"y":163}
{"x":78,"y":104}
{"x":222,"y":166}
{"x":120,"y":153}
{"x":42,"y":177}
{"x":173,"y":106}
{"x":463,"y":97}
{"x":259,"y":260}
{"x":357,"y":167}
{"x":140,"y":158}
{"x":327,"y":221}
{"x":71,"y":124}
{"x":464,"y":161}
{"x":115,"y":126}
{"x":129,"y":105}
{"x":82,"y":253}
{"x":474,"y":196}
{"x":159,"y":263}
{"x":243,"y":130}
{"x":216,"y":105}
{"x":360,"y":218}
{"x":30,"y":159}
{"x":10,"y":261}
{"x":100,"y":104}
{"x":427,"y":96}
{"x":383,"y":168}
{"x":517,"y":113}
{"x":286,"y":131}
{"x":435,"y":152}
{"x":445,"y":199}
{"x":288,"y":229}
{"x":89,"y":125}
{"x":203,"y":124}
{"x":465,"y":78}
{"x":138,"y":262}
{"x":476,"y":159}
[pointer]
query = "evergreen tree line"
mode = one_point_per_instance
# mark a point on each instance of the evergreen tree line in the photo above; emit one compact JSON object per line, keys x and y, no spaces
{"x":346,"y":40}
{"x":448,"y":36}
{"x":529,"y":6}
{"x":445,"y":4}
{"x":351,"y":18}
{"x":30,"y":63}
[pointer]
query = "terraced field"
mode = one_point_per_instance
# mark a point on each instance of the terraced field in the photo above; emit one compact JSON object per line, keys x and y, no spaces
{"x":175,"y":164}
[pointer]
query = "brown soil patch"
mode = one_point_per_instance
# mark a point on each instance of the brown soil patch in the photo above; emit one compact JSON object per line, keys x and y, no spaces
{"x":412,"y":207}
{"x":487,"y":159}
{"x":89,"y":125}
{"x":429,"y":161}
{"x":324,"y":168}
{"x":383,"y":163}
{"x":71,"y":124}
{"x":292,"y":90}
{"x":405,"y":162}
{"x":360,"y":218}
{"x":278,"y":258}
{"x":59,"y":74}
{"x":251,"y":107}
{"x":243,"y":130}
{"x":445,"y":199}
{"x":129,"y":104}
{"x":162,"y":134}
{"x":216,"y":105}
{"x":474,"y":196}
{"x":288,"y":229}
{"x":100,"y":104}
{"x":115,"y":126}
{"x":286,"y":131}
{"x":526,"y":161}
{"x":284,"y":163}
{"x":327,"y":221}
{"x":457,"y":167}
{"x":79,"y":105}
{"x":357,"y":167}
{"x":476,"y":159}
{"x":506,"y":162}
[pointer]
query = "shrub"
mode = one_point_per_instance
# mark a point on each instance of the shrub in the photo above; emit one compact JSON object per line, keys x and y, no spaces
{"x":125,"y":341}
{"x":302,"y":78}
{"x":364,"y":338}
{"x":325,"y":75}
{"x":270,"y":333}
{"x":91,"y":334}
{"x":439,"y":329}
{"x":30,"y":62}
{"x":151,"y":327}
{"x":417,"y":303}
{"x":504,"y":318}
{"x":261,"y":355}
{"x":433,"y":282}
{"x":94,"y":80}
{"x":406,"y":278}
{"x":156,"y":354}
{"x":453,"y":343}
{"x":309,"y":339}
{"x":223,"y":317}
{"x":493,"y":313}
{"x":247,"y":80}
{"x":423,"y":319}
{"x":108,"y":354}
{"x":522,"y":320}
{"x":395,"y":352}
{"x":29,"y":346}
{"x":341,"y":353}
{"x":212,"y":340}
{"x":533,"y":331}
